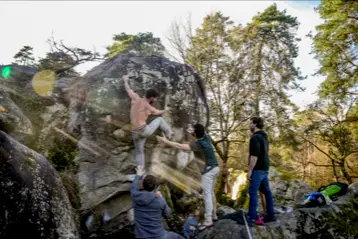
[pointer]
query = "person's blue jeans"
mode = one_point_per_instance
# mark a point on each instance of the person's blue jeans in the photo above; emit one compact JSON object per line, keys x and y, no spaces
{"x":259,"y":180}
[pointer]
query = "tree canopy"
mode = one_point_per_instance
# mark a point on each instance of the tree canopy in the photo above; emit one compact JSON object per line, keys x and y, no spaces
{"x":335,"y":46}
{"x":141,"y":43}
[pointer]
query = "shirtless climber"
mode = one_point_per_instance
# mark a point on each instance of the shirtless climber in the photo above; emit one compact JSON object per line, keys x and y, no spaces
{"x":141,"y":108}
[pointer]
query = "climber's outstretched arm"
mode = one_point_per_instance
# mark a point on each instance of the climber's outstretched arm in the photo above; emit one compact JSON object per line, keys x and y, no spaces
{"x":155,"y":111}
{"x":130,"y":92}
{"x":172,"y":144}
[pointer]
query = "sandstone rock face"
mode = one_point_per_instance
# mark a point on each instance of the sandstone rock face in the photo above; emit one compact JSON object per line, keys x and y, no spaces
{"x":33,"y":201}
{"x":335,"y":221}
{"x":93,"y":112}
{"x":224,"y":210}
{"x":106,"y":152}
{"x":286,"y":190}
{"x":13,"y":120}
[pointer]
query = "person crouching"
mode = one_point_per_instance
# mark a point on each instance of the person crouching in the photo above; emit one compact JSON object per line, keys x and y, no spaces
{"x":149,"y":207}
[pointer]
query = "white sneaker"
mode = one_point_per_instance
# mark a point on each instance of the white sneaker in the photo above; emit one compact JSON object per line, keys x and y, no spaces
{"x":131,"y":177}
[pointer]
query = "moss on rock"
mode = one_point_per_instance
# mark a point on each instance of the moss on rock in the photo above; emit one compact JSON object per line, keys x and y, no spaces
{"x":284,"y":175}
{"x":166,"y":194}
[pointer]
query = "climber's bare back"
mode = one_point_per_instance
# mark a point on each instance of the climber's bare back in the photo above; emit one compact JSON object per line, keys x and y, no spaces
{"x":140,"y":110}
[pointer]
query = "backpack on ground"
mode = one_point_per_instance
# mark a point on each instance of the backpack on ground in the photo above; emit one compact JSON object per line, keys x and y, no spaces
{"x":191,"y":228}
{"x":315,"y":199}
{"x":325,"y":195}
{"x":334,"y":190}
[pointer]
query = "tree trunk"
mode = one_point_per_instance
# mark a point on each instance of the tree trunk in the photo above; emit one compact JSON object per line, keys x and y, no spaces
{"x":304,"y":172}
{"x":345,"y":173}
{"x":334,"y":170}
{"x":224,"y":179}
{"x":259,"y":81}
{"x":224,"y":174}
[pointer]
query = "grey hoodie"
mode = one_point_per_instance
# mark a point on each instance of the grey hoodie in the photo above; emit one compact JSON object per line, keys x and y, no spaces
{"x":148,"y":211}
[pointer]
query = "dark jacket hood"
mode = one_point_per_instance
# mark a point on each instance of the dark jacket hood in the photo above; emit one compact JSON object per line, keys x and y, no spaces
{"x":261,"y":133}
{"x":144,"y":197}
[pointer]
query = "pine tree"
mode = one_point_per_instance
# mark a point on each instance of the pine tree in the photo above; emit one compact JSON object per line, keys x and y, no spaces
{"x":25,"y":56}
{"x":335,"y":46}
{"x":268,"y":45}
{"x":141,"y":43}
{"x":211,"y":55}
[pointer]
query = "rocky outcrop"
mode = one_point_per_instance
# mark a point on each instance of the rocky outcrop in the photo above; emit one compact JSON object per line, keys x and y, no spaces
{"x":32,"y":119}
{"x":13,"y":120}
{"x":33,"y":200}
{"x":92,"y":112}
{"x":99,"y":113}
{"x":286,"y":189}
{"x":335,"y":221}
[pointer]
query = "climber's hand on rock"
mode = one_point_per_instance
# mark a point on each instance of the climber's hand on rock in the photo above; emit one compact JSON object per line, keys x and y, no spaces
{"x":190,"y":130}
{"x":167,"y":109}
{"x":125,"y":78}
{"x":159,"y":194}
{"x":140,"y":170}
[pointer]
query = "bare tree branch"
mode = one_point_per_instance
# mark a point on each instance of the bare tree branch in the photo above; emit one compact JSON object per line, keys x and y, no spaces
{"x":318,"y":148}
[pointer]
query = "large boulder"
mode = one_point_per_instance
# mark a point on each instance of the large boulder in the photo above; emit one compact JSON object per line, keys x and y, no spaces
{"x":13,"y":120}
{"x":99,"y":113}
{"x":335,"y":221}
{"x":33,"y":201}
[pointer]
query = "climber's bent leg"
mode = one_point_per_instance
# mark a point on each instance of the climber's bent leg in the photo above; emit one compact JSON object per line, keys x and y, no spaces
{"x":139,"y":143}
{"x":141,"y":134}
{"x":155,"y":124}
{"x":139,"y":140}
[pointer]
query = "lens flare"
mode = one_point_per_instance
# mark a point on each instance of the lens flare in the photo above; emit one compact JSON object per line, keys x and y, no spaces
{"x":44,"y":82}
{"x":6,"y":72}
{"x":2,"y":108}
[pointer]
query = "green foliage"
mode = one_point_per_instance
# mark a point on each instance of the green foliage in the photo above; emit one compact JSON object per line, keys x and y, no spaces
{"x":61,"y":58}
{"x":56,"y":61}
{"x":333,"y":121}
{"x":63,"y":155}
{"x":25,"y":56}
{"x":284,"y":175}
{"x":243,"y":199}
{"x":142,"y":43}
{"x":226,"y":200}
{"x":166,"y":194}
{"x":248,"y":71}
{"x":211,"y":55}
{"x":335,"y":46}
{"x":269,"y":46}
